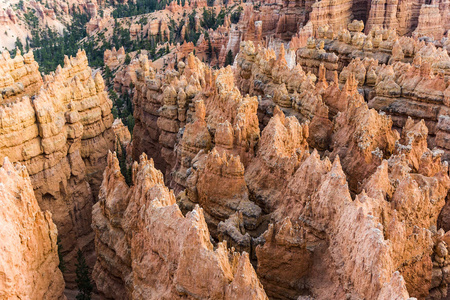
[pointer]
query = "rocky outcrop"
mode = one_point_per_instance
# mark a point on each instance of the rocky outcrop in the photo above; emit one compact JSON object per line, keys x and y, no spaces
{"x":336,"y":14}
{"x":62,"y":135}
{"x":430,"y":22}
{"x":147,"y":101}
{"x":413,"y":91}
{"x":121,"y":132}
{"x":336,"y":49}
{"x":29,"y":256}
{"x":113,"y":58}
{"x":319,"y":243}
{"x":18,"y":76}
{"x":217,"y":184}
{"x":148,"y":250}
{"x":283,"y":146}
{"x":361,"y":137}
{"x":188,"y":110}
{"x":349,"y":192}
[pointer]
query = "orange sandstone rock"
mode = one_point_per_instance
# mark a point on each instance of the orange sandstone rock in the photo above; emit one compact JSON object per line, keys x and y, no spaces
{"x":156,"y":252}
{"x":29,"y":253}
{"x":61,"y":134}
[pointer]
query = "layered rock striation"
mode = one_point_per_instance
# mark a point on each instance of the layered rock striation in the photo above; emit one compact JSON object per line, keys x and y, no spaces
{"x":61,"y":133}
{"x":413,"y":91}
{"x":29,"y":252}
{"x":147,"y":249}
{"x":329,"y":184}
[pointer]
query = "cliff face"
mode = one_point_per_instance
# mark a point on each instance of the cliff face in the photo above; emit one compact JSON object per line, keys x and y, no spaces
{"x":29,"y":256}
{"x":428,"y":18}
{"x":336,"y":14}
{"x":147,"y":249}
{"x":430,"y":22}
{"x":61,"y":133}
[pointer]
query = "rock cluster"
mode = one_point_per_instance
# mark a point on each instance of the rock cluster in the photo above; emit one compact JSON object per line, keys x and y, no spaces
{"x":164,"y":103}
{"x":61,"y":133}
{"x":18,"y":76}
{"x":337,"y":196}
{"x":412,"y":90}
{"x":147,"y":249}
{"x":309,"y":159}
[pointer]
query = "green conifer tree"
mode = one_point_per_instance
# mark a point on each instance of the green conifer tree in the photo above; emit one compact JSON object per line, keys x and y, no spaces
{"x":209,"y":51}
{"x":127,"y":59}
{"x":229,"y":58}
{"x":83,"y":279}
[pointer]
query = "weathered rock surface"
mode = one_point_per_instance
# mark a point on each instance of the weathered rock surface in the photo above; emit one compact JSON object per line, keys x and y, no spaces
{"x":309,"y":200}
{"x":18,"y":76}
{"x":413,"y":91}
{"x":325,"y":253}
{"x":148,"y":250}
{"x":430,"y":22}
{"x":322,"y":171}
{"x":62,"y":135}
{"x":336,"y":14}
{"x":29,"y":253}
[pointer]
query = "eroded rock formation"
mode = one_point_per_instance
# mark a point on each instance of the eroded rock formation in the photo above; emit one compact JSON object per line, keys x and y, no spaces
{"x":412,"y":90}
{"x":320,"y":155}
{"x":61,"y":133}
{"x":147,"y":249}
{"x":29,"y":252}
{"x":328,"y":185}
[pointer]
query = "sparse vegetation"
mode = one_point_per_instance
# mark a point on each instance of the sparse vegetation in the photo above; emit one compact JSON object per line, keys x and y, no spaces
{"x":229,"y":59}
{"x":138,"y":8}
{"x":126,"y":171}
{"x":236,"y":15}
{"x":83,"y":280}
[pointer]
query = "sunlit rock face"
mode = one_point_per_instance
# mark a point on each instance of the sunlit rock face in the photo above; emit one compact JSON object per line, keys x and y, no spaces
{"x":147,"y":249}
{"x":320,"y":156}
{"x":320,"y":181}
{"x":59,"y":127}
{"x":29,"y":252}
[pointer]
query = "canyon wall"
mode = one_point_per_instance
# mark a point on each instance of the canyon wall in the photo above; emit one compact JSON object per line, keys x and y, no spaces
{"x":29,"y":252}
{"x":419,"y":16}
{"x":61,"y":133}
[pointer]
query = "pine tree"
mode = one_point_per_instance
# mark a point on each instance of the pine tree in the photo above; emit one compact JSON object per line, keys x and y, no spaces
{"x":83,"y":280}
{"x":209,"y":51}
{"x":126,"y":172}
{"x":19,"y":44}
{"x":108,"y":75}
{"x":127,"y":59}
{"x":229,"y":58}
